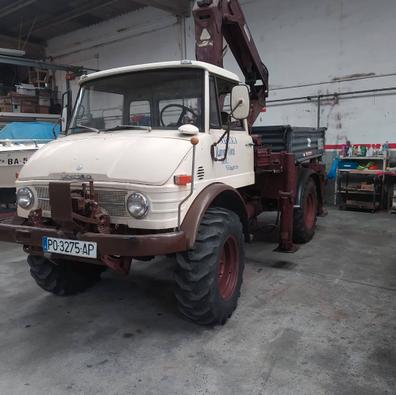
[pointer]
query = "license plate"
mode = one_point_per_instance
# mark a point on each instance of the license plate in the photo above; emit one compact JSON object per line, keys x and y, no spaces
{"x":84,"y":249}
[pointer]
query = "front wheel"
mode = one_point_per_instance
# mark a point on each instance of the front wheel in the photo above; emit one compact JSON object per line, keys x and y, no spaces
{"x":304,"y":221}
{"x":209,"y":276}
{"x":63,"y":277}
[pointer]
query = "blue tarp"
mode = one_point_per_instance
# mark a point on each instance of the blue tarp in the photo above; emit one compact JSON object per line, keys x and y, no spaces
{"x":30,"y":130}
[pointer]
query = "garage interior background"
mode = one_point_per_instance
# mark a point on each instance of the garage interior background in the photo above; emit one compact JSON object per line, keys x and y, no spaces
{"x":324,"y":47}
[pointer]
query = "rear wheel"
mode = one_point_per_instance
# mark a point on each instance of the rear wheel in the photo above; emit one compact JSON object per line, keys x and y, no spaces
{"x":209,"y":276}
{"x":304,"y":222}
{"x":62,"y":277}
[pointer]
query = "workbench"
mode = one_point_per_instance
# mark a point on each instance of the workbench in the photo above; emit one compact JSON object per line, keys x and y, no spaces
{"x":365,"y":189}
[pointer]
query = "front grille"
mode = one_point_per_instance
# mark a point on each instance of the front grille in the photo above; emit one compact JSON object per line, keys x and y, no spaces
{"x":43,"y":198}
{"x":112,"y":201}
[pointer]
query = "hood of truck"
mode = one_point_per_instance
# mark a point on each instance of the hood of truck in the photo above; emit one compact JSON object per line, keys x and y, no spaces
{"x":124,"y":156}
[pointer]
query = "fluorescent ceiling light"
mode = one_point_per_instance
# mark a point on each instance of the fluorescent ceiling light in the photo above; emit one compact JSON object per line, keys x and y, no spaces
{"x":11,"y":52}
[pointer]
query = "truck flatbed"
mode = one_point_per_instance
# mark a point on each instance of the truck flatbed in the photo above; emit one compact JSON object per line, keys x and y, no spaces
{"x":305,"y":143}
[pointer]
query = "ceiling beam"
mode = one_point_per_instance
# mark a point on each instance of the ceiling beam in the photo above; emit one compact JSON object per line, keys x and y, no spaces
{"x":14,"y":7}
{"x":66,"y":17}
{"x":175,"y":7}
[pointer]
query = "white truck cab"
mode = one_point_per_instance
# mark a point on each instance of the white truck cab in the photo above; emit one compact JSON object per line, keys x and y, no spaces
{"x":128,"y":134}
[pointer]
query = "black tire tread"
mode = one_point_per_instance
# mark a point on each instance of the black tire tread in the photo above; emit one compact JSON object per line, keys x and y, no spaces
{"x":301,"y":234}
{"x":63,"y":277}
{"x":197,"y":269}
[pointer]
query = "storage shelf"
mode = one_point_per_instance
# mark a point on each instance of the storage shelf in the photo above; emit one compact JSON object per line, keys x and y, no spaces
{"x":349,"y":182}
{"x":363,"y":192}
{"x":354,"y":171}
{"x":378,"y":157}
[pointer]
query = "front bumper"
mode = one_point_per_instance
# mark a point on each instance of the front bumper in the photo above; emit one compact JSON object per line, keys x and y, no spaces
{"x":107,"y":244}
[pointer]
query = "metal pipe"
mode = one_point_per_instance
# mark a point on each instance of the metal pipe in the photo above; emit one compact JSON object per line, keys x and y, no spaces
{"x":336,"y":81}
{"x":335,"y":94}
{"x":194,"y":142}
{"x":318,"y":115}
{"x":18,"y":61}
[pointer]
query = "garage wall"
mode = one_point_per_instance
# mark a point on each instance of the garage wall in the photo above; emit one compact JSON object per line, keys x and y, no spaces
{"x":311,"y":48}
{"x":143,"y":36}
{"x":329,"y":46}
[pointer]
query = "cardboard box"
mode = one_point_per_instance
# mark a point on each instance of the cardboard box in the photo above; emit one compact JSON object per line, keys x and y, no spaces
{"x":43,"y":109}
{"x":29,"y":101}
{"x":18,"y":99}
{"x":5,"y":100}
{"x":30,"y":108}
{"x":5,"y":107}
{"x":44,"y":101}
{"x":44,"y":92}
{"x":367,"y":187}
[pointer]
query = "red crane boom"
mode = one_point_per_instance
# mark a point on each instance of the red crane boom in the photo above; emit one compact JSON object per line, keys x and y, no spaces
{"x":216,"y":20}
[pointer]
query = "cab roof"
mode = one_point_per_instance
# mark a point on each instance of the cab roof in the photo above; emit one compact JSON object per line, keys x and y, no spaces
{"x":161,"y":65}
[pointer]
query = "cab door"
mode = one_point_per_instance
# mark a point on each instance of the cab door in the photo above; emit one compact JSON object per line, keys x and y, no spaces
{"x":232,"y":164}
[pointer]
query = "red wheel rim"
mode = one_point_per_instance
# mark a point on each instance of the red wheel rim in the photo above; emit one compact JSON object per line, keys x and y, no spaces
{"x":310,"y":211}
{"x":228,"y":268}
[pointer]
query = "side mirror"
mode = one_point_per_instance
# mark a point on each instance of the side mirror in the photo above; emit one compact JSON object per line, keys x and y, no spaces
{"x":188,"y":129}
{"x":240,"y":102}
{"x":66,"y":110}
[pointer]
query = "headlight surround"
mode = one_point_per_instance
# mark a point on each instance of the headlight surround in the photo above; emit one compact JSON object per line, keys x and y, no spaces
{"x":137,"y":205}
{"x":25,"y":198}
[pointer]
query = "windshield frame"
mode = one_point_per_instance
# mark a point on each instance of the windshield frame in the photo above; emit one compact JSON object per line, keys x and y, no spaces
{"x":203,"y":93}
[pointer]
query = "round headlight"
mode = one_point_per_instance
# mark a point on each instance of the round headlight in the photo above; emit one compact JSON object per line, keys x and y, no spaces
{"x":25,"y":198}
{"x":137,"y":205}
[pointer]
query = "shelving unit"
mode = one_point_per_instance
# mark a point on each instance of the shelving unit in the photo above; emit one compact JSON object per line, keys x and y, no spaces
{"x":362,"y":189}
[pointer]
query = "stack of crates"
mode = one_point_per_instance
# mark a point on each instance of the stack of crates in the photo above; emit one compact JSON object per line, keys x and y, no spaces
{"x":6,"y":104}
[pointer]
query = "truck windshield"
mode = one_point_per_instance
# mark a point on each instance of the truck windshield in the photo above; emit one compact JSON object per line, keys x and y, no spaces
{"x":160,"y":99}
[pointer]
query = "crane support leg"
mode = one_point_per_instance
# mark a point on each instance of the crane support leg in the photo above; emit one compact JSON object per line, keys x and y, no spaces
{"x":286,"y":204}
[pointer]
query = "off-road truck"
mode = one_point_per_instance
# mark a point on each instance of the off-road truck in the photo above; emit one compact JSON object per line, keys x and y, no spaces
{"x":161,"y":159}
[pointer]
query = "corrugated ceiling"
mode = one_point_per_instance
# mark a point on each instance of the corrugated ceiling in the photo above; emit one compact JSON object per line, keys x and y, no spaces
{"x":39,"y":20}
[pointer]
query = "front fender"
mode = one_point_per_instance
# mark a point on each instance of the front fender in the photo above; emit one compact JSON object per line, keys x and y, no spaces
{"x":219,"y":195}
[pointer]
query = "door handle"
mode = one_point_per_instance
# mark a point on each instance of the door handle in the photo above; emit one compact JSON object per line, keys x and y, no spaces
{"x":249,"y":145}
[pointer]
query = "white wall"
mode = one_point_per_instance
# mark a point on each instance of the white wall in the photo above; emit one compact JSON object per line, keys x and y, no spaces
{"x":146,"y":35}
{"x":308,"y":47}
{"x":312,"y":42}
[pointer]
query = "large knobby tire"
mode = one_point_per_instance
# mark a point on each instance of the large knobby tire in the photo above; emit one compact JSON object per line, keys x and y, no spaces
{"x":209,"y":276}
{"x":304,"y":222}
{"x":62,"y":277}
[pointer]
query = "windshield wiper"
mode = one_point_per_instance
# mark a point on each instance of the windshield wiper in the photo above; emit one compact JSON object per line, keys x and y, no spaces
{"x":88,"y":127}
{"x":79,"y":126}
{"x":137,"y":127}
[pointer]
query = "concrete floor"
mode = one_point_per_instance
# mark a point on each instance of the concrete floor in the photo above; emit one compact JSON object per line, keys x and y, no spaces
{"x":320,"y":321}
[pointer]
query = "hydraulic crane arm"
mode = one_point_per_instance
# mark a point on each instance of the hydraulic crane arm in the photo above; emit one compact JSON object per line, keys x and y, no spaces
{"x":218,"y":19}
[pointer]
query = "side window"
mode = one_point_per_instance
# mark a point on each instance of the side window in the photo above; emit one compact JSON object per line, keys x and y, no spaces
{"x":140,"y":113}
{"x":214,"y":119}
{"x":224,"y":88}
